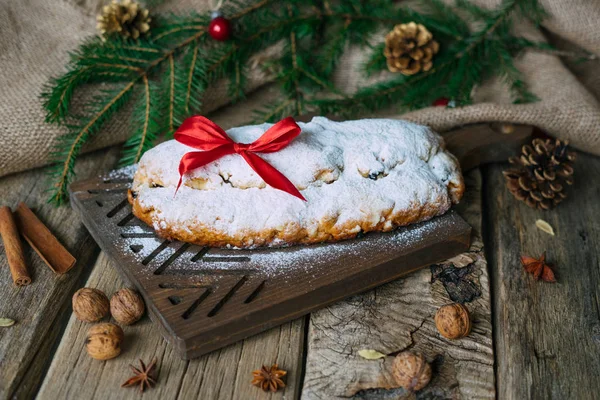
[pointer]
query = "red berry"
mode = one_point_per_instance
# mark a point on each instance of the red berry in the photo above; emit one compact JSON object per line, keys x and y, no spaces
{"x":219,"y":28}
{"x":441,"y":102}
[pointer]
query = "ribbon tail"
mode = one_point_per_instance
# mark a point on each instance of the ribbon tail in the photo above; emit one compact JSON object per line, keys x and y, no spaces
{"x":197,"y":159}
{"x":276,"y":137}
{"x":270,"y":175}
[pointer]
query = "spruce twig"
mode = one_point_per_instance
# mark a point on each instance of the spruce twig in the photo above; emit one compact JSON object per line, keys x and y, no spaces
{"x":60,"y":188}
{"x":171,"y":94}
{"x":468,"y":55}
{"x":184,"y":63}
{"x":66,"y":170}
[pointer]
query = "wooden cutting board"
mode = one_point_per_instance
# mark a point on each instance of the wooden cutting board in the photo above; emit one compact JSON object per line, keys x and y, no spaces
{"x":204,"y":298}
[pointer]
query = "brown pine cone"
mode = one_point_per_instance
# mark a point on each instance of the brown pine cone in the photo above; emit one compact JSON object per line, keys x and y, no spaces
{"x":541,"y":174}
{"x":409,"y":48}
{"x":126,"y":18}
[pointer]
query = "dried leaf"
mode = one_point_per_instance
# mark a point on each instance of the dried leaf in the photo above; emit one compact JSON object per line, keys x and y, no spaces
{"x":538,"y":268}
{"x":6,"y":322}
{"x":548,"y":274}
{"x":370,"y":354}
{"x":544,"y":226}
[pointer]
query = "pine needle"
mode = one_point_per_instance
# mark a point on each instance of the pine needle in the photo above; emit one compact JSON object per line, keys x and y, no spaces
{"x":190,"y":79}
{"x":172,"y":93}
{"x":144,"y":134}
{"x":76,"y":140}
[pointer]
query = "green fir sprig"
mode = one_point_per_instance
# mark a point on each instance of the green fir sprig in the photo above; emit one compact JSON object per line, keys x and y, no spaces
{"x":166,"y":72}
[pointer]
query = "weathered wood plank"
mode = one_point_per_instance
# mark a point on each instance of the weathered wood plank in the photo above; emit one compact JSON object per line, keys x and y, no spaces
{"x":399,"y":316}
{"x":547,"y":336}
{"x":305,"y":282}
{"x":223,"y":374}
{"x":41,"y":307}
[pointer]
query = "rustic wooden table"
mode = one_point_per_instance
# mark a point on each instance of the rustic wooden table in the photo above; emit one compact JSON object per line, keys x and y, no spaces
{"x":530,"y":339}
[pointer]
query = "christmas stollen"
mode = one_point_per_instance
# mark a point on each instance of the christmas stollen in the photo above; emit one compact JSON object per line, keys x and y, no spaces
{"x":356,"y":176}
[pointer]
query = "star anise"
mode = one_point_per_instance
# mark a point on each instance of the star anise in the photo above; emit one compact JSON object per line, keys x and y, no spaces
{"x":143,"y":377}
{"x":269,"y":378}
{"x":538,"y":268}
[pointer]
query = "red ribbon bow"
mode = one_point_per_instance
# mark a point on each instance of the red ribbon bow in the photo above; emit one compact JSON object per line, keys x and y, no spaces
{"x":203,"y":134}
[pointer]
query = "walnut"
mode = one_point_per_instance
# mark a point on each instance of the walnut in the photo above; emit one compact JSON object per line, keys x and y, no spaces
{"x":453,"y":321}
{"x":90,"y":305}
{"x":104,"y":341}
{"x":126,"y":306}
{"x":411,"y":371}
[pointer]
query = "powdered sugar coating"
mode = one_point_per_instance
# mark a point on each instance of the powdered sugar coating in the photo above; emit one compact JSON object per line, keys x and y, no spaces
{"x":356,"y":175}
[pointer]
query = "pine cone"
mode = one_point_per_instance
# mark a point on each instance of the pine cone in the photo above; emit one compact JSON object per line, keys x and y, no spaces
{"x":128,"y":19}
{"x":541,"y":173}
{"x":409,"y":48}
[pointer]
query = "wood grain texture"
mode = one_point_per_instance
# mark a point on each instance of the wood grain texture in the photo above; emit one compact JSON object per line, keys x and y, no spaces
{"x":399,"y":316}
{"x":223,"y":374}
{"x":203,"y":305}
{"x":40,"y":308}
{"x":547,"y":336}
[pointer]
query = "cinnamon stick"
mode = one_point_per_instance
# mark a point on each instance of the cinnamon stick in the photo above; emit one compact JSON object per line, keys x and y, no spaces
{"x":13,"y":248}
{"x":43,"y":241}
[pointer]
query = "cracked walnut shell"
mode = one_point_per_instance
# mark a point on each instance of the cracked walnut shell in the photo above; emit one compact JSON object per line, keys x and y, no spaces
{"x":411,"y":371}
{"x":90,"y":305}
{"x":104,"y":341}
{"x":126,"y":306}
{"x":453,"y":321}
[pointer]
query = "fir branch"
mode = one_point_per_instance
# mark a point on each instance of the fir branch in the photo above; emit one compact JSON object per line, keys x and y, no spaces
{"x":494,"y":23}
{"x":513,"y":77}
{"x":146,"y":129}
{"x":235,"y":89}
{"x":139,"y":141}
{"x":77,"y":138}
{"x":316,"y":34}
{"x":475,"y":12}
{"x":218,"y":61}
{"x":532,"y":10}
{"x":377,"y":61}
{"x":111,"y":60}
{"x":333,"y":49}
{"x":142,"y":49}
{"x":121,"y":58}
{"x":171,"y":93}
{"x":66,"y":172}
{"x":274,"y":111}
{"x":92,"y":62}
{"x":250,"y":9}
{"x":464,"y":59}
{"x":179,"y":29}
{"x":118,"y":66}
{"x":521,"y":43}
{"x":190,"y":83}
{"x":294,"y":55}
{"x":190,"y":78}
{"x":58,"y":94}
{"x":312,"y":75}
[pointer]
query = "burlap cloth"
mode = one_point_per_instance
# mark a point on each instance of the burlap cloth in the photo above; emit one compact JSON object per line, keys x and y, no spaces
{"x":37,"y":35}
